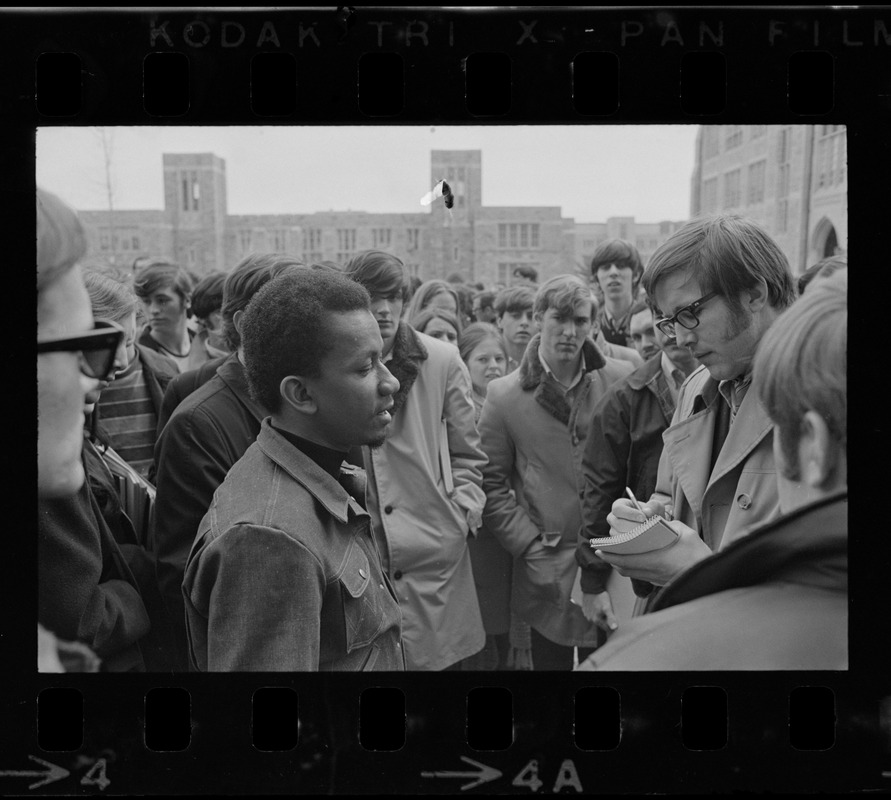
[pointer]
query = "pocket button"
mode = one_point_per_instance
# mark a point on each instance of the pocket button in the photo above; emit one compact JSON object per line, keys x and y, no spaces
{"x":744,"y":501}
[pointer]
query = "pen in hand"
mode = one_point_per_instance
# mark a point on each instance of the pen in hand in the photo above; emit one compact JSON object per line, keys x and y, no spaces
{"x":634,"y":500}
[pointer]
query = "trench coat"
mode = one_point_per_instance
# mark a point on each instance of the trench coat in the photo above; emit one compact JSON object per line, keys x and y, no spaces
{"x":534,"y":441}
{"x":741,"y":490}
{"x":424,"y":484}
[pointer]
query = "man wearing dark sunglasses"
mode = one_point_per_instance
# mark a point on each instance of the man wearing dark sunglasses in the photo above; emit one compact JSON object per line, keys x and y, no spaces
{"x":717,"y":285}
{"x":71,"y":356}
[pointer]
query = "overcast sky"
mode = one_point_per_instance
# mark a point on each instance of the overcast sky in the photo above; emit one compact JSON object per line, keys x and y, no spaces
{"x":593,"y":172}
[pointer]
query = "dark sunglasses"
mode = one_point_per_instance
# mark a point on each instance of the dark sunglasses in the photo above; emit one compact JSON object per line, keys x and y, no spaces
{"x":96,"y":348}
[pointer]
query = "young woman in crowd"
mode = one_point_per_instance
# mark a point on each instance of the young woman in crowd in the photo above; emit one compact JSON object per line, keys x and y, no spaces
{"x":507,"y":640}
{"x":433,"y":293}
{"x":438,"y":323}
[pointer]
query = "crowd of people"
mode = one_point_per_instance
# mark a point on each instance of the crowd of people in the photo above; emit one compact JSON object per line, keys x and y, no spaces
{"x":293,"y":467}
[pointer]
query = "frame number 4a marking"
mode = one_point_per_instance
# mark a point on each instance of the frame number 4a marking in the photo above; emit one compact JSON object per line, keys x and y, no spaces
{"x":566,"y":776}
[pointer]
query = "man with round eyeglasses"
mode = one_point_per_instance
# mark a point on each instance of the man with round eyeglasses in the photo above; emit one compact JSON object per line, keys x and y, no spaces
{"x":717,"y":285}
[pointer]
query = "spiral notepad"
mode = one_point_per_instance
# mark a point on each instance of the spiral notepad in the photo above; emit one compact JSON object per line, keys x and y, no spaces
{"x":654,"y":534}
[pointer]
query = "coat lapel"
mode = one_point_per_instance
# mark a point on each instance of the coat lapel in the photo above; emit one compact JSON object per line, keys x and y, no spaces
{"x":689,"y":444}
{"x":545,"y":391}
{"x":747,"y":431}
{"x":408,"y":353}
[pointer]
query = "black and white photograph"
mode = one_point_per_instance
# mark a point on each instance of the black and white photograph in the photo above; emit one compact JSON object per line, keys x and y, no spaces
{"x":526,"y":352}
{"x":446,"y":400}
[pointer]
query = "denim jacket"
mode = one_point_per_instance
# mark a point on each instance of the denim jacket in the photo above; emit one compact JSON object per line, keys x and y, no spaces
{"x":284,"y":574}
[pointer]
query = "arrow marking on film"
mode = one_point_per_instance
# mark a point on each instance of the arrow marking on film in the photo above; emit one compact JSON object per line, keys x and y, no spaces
{"x":49,"y":775}
{"x":484,"y":775}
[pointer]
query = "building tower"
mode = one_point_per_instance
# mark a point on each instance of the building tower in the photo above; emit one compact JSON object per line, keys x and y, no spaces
{"x":195,"y":209}
{"x":452,"y":230}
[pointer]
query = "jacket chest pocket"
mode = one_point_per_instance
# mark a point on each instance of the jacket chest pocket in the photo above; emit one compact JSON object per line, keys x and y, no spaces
{"x":365,"y":612}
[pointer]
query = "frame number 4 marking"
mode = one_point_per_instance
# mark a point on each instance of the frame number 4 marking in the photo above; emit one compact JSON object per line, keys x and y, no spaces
{"x":95,"y":776}
{"x":566,"y":776}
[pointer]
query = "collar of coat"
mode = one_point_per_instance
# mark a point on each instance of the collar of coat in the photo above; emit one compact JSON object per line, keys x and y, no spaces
{"x":646,"y":372}
{"x":408,"y":354}
{"x":547,"y":394}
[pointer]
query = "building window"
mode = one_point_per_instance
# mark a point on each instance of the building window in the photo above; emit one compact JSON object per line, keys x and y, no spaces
{"x":125,"y":243}
{"x":710,"y":141}
{"x":783,"y":145}
{"x":346,"y":244}
{"x":710,"y":196}
{"x":380,"y":237}
{"x":731,"y":189}
{"x":279,"y":237}
{"x":185,"y":183}
{"x":412,"y":268}
{"x":244,"y":241}
{"x":460,"y":187}
{"x":414,"y":238}
{"x":136,"y":243}
{"x":782,"y":198}
{"x":103,"y":242}
{"x":734,"y":137}
{"x":312,"y":245}
{"x":346,"y":239}
{"x":757,"y":172}
{"x":312,"y":239}
{"x":830,"y":156}
{"x":523,"y":235}
{"x":195,"y":191}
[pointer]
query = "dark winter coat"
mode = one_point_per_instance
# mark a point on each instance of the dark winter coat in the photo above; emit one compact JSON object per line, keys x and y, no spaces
{"x":207,"y":433}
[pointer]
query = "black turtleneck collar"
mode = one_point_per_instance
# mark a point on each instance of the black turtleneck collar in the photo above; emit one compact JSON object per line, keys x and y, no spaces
{"x":328,"y":459}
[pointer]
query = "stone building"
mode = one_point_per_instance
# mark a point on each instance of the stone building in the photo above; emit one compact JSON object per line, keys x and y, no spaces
{"x":791,"y":178}
{"x":477,"y":242}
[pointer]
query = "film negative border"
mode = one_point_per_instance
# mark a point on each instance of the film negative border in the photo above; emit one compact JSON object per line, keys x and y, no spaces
{"x":523,"y":65}
{"x":442,"y":66}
